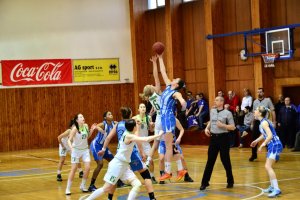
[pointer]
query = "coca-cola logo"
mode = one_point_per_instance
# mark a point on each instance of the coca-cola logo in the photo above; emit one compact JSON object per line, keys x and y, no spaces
{"x":47,"y":71}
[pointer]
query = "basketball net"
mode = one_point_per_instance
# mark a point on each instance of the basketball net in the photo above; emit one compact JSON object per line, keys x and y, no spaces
{"x":269,"y":59}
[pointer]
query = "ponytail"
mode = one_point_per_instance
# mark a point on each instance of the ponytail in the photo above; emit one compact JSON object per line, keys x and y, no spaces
{"x":75,"y":122}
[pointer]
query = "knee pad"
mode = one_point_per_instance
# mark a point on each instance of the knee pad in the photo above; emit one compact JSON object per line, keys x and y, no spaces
{"x":136,"y":184}
{"x":146,"y":174}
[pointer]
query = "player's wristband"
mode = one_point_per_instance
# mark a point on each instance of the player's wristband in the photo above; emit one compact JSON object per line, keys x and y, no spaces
{"x":103,"y":149}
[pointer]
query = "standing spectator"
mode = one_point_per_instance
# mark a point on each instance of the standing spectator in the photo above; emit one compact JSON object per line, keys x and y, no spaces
{"x":266,"y":102}
{"x":246,"y":126}
{"x":279,"y":105}
{"x":287,"y":119}
{"x":232,"y":101}
{"x":247,"y":99}
{"x":221,"y":121}
{"x":202,"y":110}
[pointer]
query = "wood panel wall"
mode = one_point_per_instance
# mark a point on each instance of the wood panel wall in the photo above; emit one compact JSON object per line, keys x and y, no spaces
{"x":33,"y":117}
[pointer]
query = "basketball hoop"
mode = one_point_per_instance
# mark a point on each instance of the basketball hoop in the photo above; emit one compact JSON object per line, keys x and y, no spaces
{"x":269,"y":59}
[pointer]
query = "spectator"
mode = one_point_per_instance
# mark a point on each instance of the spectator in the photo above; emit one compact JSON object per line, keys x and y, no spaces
{"x":202,"y":110}
{"x":287,"y":119}
{"x":232,"y":101}
{"x":246,"y":126}
{"x":189,"y":103}
{"x":247,"y":99}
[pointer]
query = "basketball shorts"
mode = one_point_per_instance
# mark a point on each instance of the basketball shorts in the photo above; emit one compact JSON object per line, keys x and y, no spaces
{"x":96,"y":147}
{"x":63,"y":151}
{"x":83,"y":154}
{"x":162,"y":148}
{"x":274,"y":151}
{"x":116,"y":168}
{"x":136,"y":163}
{"x":168,"y":122}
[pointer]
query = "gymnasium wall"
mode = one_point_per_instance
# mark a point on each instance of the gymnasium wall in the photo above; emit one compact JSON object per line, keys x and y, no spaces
{"x":33,"y":29}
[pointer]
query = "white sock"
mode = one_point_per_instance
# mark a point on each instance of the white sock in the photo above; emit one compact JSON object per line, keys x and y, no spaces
{"x":132,"y":194}
{"x":151,"y":174}
{"x":96,"y":193}
{"x":69,"y":184}
{"x":271,"y":182}
{"x":168,"y":167}
{"x":179,"y":165}
{"x":83,"y":181}
{"x":274,"y":183}
{"x":80,"y":169}
{"x":58,"y":172}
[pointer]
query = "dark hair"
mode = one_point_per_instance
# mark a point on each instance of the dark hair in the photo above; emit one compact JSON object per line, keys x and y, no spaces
{"x":181,"y":84}
{"x":130,"y":124}
{"x":105,"y":113}
{"x":262,"y":89}
{"x":75,"y":122}
{"x":71,"y":123}
{"x":125,"y":112}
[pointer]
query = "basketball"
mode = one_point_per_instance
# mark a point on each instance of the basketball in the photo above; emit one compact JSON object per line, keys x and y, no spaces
{"x":158,"y":48}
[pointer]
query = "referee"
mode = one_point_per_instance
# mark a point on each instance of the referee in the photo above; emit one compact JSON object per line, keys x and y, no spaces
{"x":221,"y":122}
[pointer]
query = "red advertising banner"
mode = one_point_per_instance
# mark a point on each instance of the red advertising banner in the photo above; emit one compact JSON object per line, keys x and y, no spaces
{"x":36,"y":72}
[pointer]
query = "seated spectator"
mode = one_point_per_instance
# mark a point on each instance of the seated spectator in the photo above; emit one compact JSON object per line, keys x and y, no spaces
{"x":202,"y":110}
{"x":246,"y":127}
{"x":247,"y":99}
{"x":189,"y":101}
{"x":232,"y":101}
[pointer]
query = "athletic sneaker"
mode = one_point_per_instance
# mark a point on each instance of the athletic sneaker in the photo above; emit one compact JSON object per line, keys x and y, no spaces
{"x":275,"y":193}
{"x":68,"y":192}
{"x":153,"y":180}
{"x":268,"y":190}
{"x":120,"y":184}
{"x":83,"y":189}
{"x":161,"y":182}
{"x":188,"y":179}
{"x":81,"y":174}
{"x":58,"y":177}
{"x":165,"y":177}
{"x":92,"y":188}
{"x":181,"y":174}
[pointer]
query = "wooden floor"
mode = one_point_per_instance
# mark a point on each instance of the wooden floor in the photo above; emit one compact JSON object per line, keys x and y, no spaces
{"x":32,"y":175}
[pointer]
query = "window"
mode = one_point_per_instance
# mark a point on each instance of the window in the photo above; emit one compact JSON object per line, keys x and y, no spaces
{"x":153,"y":4}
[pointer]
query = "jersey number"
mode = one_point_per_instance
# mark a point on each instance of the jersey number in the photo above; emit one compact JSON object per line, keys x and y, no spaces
{"x":156,"y":105}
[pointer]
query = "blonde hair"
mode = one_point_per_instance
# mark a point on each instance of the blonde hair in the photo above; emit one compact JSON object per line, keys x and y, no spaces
{"x":147,"y":92}
{"x":265,"y":112}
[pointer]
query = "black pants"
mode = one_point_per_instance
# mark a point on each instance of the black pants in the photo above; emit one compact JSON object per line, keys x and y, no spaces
{"x":255,"y":135}
{"x":218,"y":143}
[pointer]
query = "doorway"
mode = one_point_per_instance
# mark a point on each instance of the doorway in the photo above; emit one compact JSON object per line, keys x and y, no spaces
{"x":293,"y":92}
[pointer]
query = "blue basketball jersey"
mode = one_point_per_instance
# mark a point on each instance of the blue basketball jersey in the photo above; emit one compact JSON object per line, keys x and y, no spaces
{"x":100,"y":138}
{"x":167,"y":101}
{"x":275,"y":139}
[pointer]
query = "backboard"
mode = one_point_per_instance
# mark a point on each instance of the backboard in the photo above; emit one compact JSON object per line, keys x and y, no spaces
{"x":279,"y":41}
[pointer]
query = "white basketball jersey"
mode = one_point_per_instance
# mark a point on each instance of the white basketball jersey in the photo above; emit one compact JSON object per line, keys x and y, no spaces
{"x":155,"y":102}
{"x":80,"y":140}
{"x":144,"y":127}
{"x":124,"y":151}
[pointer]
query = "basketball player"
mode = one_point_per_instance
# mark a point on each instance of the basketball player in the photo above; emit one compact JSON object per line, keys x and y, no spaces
{"x":177,"y":155}
{"x":153,"y":94}
{"x":97,"y":144}
{"x":273,"y":144}
{"x":145,"y":125}
{"x":119,"y":167}
{"x":63,"y":150}
{"x":168,"y":100}
{"x":136,"y":164}
{"x":78,"y":143}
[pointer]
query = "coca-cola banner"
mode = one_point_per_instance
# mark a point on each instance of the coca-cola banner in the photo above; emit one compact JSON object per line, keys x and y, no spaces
{"x":36,"y":72}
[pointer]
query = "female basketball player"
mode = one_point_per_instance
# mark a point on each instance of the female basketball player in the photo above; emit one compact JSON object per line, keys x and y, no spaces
{"x":153,"y":93}
{"x":119,"y":167}
{"x":274,"y":147}
{"x":168,"y":100}
{"x":97,"y":144}
{"x":63,"y":150}
{"x":177,"y":155}
{"x":145,"y":125}
{"x":78,"y":143}
{"x":136,"y":164}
